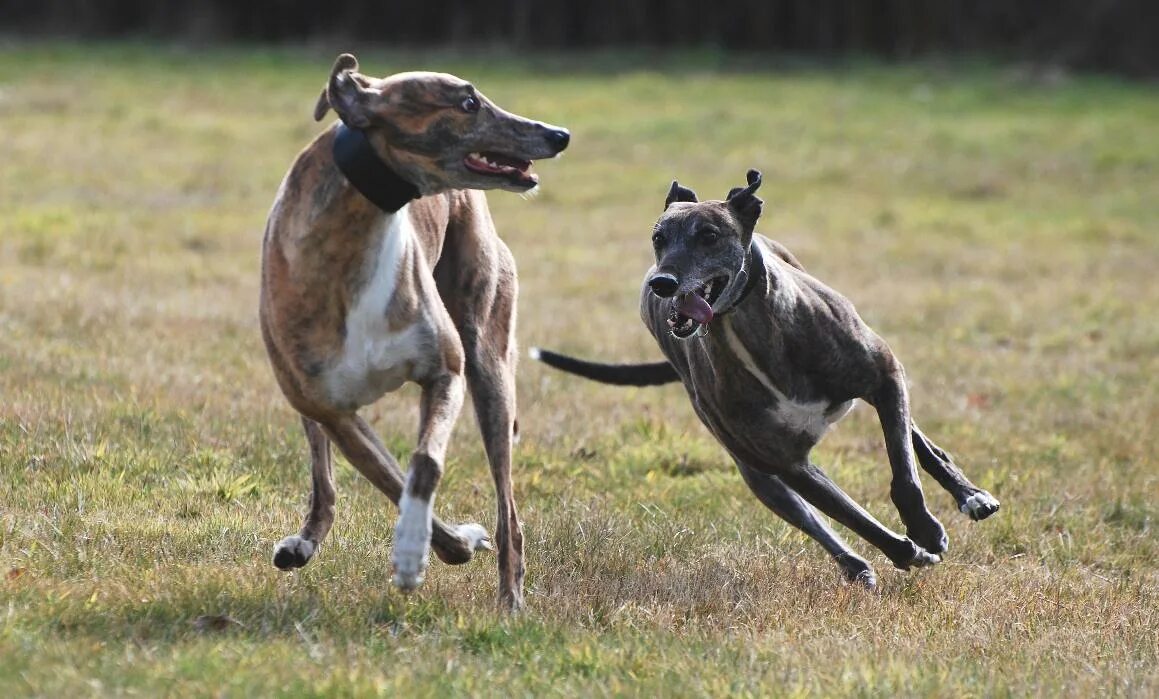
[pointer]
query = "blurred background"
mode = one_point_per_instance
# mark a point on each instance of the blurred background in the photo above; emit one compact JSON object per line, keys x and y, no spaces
{"x":1120,"y":36}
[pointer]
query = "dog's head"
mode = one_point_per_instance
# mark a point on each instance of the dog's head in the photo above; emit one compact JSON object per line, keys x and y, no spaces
{"x":700,"y":253}
{"x":437,"y":131}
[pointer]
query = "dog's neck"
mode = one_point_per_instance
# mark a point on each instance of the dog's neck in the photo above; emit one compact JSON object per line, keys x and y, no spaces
{"x":369,"y":174}
{"x":754,"y":264}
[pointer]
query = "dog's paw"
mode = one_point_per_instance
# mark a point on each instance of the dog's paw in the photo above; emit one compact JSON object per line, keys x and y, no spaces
{"x":923,"y":558}
{"x":915,"y":557}
{"x":857,"y":570}
{"x":930,"y":535}
{"x":980,"y":505}
{"x":294,"y":552}
{"x":409,"y":560}
{"x":477,"y":537}
{"x":412,"y":543}
{"x":510,"y":601}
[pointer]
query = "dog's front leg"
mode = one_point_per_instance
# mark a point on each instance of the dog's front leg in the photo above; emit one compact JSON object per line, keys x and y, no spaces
{"x":296,"y":551}
{"x":442,"y":398}
{"x":366,"y":452}
{"x":813,"y":485}
{"x":792,"y":508}
{"x":892,"y":404}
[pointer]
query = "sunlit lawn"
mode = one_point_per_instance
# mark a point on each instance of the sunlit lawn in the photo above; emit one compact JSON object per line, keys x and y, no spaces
{"x":1001,"y":233}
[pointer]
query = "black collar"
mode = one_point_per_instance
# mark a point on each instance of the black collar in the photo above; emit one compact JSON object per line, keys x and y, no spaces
{"x":372,"y":177}
{"x":754,"y":262}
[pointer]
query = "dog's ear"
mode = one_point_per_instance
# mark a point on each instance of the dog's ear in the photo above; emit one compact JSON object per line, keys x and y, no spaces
{"x":753,"y":177}
{"x":322,"y":106}
{"x":679,"y":193}
{"x":745,"y":203}
{"x":345,"y":93}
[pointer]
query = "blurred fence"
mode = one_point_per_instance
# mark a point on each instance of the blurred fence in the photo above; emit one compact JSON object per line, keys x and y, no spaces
{"x":1108,"y":35}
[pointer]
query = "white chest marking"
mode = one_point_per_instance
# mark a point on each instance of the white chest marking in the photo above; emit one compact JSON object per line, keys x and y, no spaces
{"x":375,"y":360}
{"x":811,"y":417}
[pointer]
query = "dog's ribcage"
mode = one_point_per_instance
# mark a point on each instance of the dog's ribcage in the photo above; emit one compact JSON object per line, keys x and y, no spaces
{"x":811,"y":417}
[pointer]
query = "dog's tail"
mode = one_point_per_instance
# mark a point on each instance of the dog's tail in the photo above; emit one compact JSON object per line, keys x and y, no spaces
{"x":649,"y":374}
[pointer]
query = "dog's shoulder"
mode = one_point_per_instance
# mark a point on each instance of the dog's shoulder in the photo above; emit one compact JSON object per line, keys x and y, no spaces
{"x":779,"y":251}
{"x":790,"y":277}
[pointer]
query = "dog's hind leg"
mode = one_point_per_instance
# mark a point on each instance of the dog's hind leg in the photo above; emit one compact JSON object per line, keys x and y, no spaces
{"x":790,"y":507}
{"x":296,"y":551}
{"x":971,"y":499}
{"x":892,"y":405}
{"x":815,"y":487}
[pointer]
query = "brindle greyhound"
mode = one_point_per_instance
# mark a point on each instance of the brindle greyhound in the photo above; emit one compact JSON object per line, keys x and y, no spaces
{"x":380,"y":265}
{"x":771,"y":357}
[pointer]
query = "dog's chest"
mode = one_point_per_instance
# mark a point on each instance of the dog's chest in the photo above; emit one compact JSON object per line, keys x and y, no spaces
{"x":377,"y":358}
{"x":740,"y":373}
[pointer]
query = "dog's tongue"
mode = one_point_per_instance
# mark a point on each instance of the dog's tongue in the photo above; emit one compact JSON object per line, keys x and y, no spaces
{"x":695,"y":307}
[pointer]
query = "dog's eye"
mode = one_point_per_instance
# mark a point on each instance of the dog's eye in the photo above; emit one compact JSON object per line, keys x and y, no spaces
{"x":708,"y":236}
{"x":657,"y":240}
{"x":470,"y":104}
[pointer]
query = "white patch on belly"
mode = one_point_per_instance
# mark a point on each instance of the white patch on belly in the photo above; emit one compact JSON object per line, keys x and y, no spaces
{"x":811,"y":417}
{"x":374,"y":360}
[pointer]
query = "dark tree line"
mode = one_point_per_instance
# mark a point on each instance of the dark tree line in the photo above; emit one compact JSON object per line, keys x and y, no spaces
{"x":1108,"y":35}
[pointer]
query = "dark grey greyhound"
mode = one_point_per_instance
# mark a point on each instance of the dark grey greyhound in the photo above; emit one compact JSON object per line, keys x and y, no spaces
{"x":771,"y":357}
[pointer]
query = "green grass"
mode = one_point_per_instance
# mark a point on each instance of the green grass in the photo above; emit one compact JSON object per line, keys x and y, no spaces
{"x":1003,"y":235}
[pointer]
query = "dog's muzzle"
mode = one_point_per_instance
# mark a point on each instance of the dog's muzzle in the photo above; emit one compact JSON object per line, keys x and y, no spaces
{"x":690,"y":313}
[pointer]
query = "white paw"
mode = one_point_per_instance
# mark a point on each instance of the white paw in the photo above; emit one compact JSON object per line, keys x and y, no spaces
{"x":980,"y":505}
{"x":476,"y":536}
{"x":293,"y":552}
{"x":924,"y":558}
{"x":412,"y":542}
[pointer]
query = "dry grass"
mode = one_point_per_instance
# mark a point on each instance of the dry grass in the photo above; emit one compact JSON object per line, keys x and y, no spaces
{"x":1004,"y":237}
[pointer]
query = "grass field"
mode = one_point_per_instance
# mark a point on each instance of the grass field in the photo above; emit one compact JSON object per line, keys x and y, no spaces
{"x":1001,"y":231}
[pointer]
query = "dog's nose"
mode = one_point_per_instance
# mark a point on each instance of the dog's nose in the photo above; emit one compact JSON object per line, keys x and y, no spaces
{"x":559,"y":138}
{"x":663,"y":285}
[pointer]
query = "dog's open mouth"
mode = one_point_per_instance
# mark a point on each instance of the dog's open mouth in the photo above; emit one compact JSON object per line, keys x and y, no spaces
{"x":693,"y":311}
{"x":516,"y":170}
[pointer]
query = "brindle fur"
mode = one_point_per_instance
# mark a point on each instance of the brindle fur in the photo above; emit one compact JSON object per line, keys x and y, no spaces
{"x":455,"y":291}
{"x":789,"y":346}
